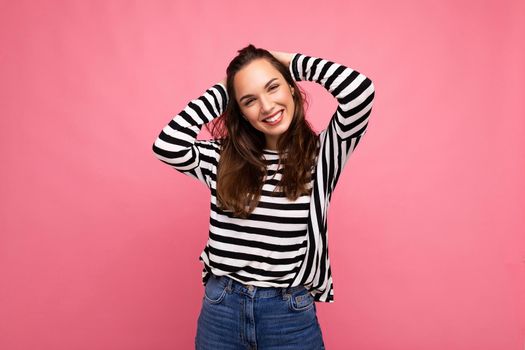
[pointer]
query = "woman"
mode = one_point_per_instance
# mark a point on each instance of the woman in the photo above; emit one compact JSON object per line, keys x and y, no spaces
{"x":271,"y":178}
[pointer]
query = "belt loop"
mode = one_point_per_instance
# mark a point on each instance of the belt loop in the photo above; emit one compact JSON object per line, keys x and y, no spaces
{"x":285,"y":294}
{"x":229,"y":285}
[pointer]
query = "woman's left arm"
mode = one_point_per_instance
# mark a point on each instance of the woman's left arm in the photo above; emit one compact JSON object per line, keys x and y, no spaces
{"x":355,"y":95}
{"x":353,"y":90}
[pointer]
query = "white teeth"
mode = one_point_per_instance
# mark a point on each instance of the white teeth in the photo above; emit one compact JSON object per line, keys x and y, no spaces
{"x":274,"y":118}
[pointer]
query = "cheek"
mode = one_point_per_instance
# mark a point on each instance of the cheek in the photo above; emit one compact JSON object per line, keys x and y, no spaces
{"x":285,"y":96}
{"x":246,"y":112}
{"x":292,"y":107}
{"x":250,"y":115}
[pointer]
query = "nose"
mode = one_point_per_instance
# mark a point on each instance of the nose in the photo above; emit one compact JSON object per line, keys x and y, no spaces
{"x":266,"y":105}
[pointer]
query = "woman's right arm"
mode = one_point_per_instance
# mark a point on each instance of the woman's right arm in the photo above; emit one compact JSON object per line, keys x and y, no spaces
{"x":177,"y":143}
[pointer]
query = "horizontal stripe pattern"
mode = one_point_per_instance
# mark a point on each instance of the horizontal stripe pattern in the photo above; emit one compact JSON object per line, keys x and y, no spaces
{"x":265,"y":249}
{"x":282,"y":243}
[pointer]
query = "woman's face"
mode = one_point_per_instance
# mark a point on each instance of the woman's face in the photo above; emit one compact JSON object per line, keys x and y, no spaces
{"x":265,"y":99}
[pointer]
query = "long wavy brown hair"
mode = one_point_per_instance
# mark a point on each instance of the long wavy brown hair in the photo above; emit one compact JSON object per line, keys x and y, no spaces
{"x":242,"y":167}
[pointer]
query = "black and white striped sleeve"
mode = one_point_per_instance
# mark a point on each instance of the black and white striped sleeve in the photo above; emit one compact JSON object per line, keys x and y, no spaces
{"x":355,"y":96}
{"x":353,"y":90}
{"x":177,"y":143}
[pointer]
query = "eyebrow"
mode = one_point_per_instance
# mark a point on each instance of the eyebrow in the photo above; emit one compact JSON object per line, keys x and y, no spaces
{"x":265,"y":86}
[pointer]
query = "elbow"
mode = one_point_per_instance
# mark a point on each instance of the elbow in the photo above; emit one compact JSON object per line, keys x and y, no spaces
{"x":153,"y":149}
{"x":370,"y":92}
{"x":157,"y":152}
{"x":371,"y":85}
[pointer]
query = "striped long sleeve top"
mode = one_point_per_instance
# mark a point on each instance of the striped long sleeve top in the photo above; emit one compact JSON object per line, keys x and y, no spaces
{"x":282,"y":243}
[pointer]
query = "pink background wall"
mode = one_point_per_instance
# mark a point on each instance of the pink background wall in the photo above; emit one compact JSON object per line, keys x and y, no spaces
{"x":99,"y":240}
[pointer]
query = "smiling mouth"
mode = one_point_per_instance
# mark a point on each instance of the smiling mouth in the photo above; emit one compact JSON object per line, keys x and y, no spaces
{"x":276,"y":118}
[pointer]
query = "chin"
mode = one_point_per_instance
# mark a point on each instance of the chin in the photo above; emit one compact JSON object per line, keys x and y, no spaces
{"x":281,"y":131}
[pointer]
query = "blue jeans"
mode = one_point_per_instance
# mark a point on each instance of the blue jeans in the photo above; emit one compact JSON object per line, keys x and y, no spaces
{"x":237,"y":316}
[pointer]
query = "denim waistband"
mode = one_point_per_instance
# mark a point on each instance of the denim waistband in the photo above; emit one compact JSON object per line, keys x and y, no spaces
{"x":235,"y":286}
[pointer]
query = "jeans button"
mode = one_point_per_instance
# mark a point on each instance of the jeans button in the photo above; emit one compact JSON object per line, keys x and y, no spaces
{"x":250,"y":288}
